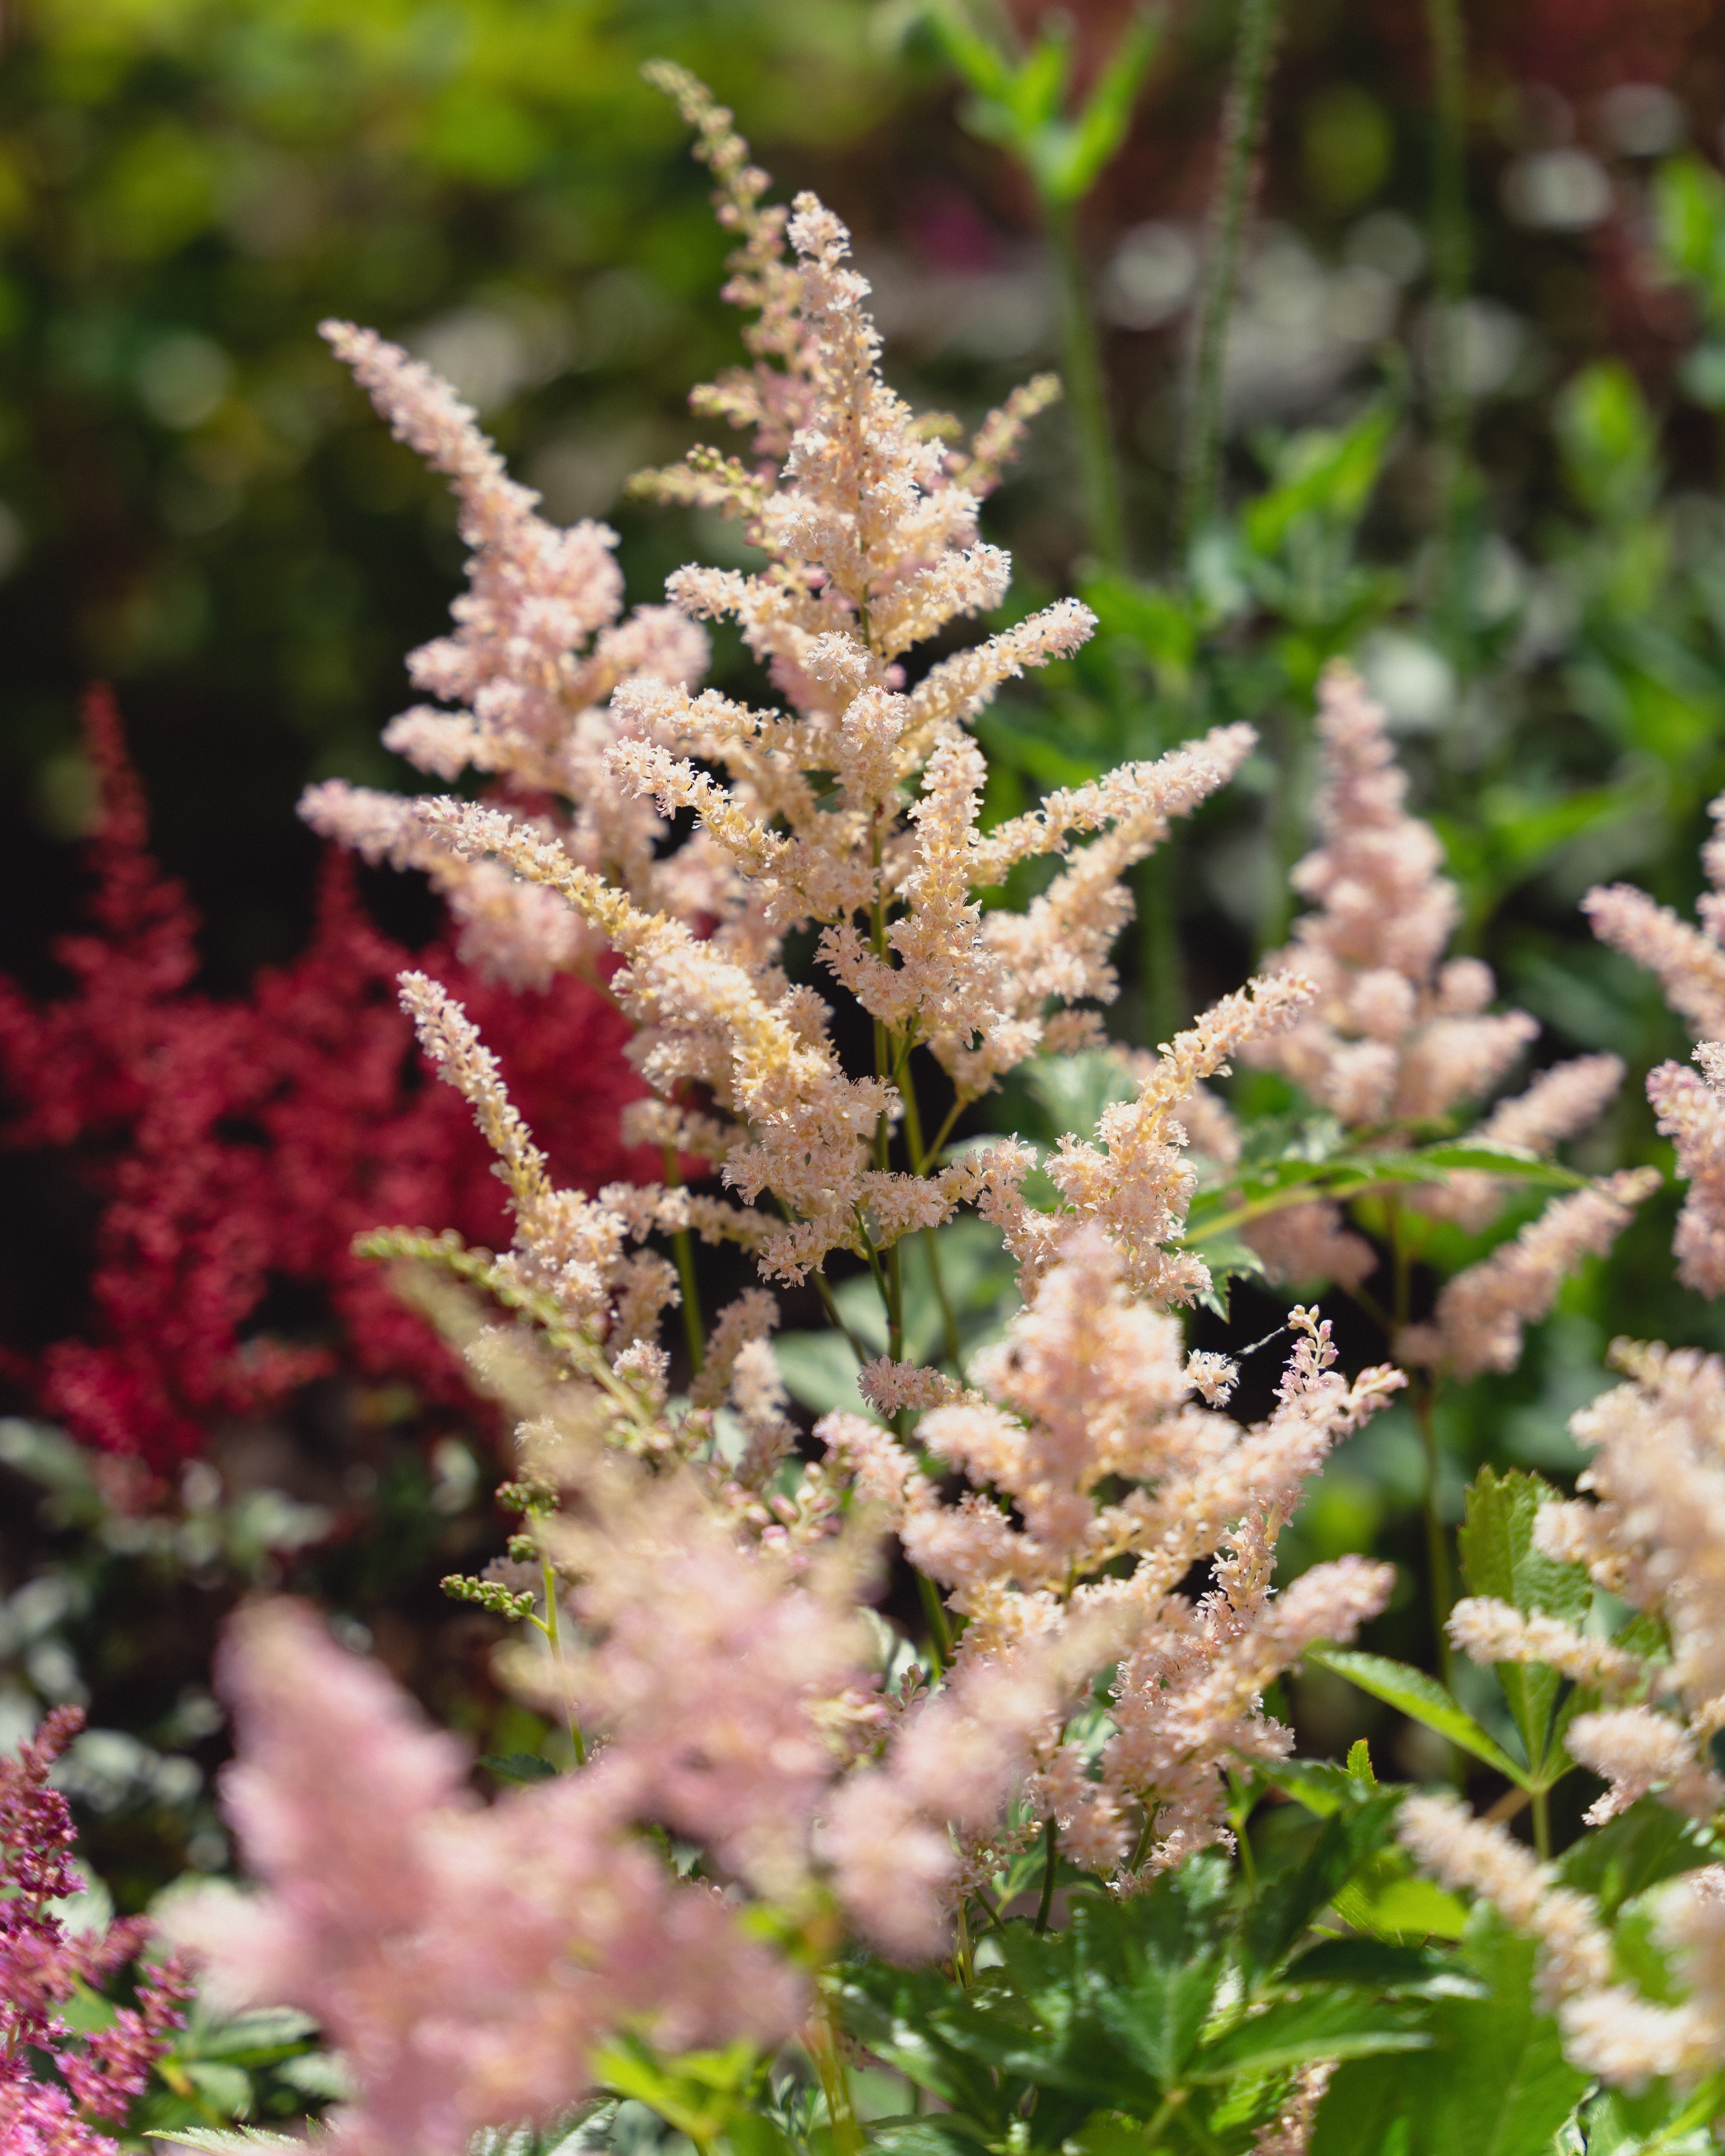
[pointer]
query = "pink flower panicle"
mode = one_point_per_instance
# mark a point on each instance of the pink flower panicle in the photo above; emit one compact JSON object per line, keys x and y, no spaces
{"x":1089,"y":1390}
{"x":469,"y":1961}
{"x":1691,"y":1113}
{"x":1394,"y":1034}
{"x":1690,"y":962}
{"x":143,"y":1082}
{"x":96,"y":2075}
{"x":1482,"y":1310}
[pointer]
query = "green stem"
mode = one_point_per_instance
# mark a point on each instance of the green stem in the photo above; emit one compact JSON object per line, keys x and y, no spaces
{"x":1086,"y":397}
{"x":1242,"y":127}
{"x":1542,"y":1823}
{"x":1049,"y":1870}
{"x":823,"y":1288}
{"x":940,"y":1632}
{"x":928,"y":1160}
{"x":1451,"y":267}
{"x":554,"y":1635}
{"x":1159,"y":960}
{"x":683,"y":1249}
{"x":1437,"y":1544}
{"x":930,"y":1239}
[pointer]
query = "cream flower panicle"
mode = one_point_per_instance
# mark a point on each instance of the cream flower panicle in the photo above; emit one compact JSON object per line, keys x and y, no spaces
{"x":1608,"y":2028}
{"x":1394,"y":1034}
{"x":1690,"y":962}
{"x":538,"y":647}
{"x":1088,"y":1392}
{"x":1482,"y":1310}
{"x":1690,"y":1109}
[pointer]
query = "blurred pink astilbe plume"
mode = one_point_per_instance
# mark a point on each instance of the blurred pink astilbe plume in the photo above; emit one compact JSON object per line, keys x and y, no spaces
{"x":1690,"y":963}
{"x":470,"y":1961}
{"x":100,"y":2071}
{"x":1482,"y":1311}
{"x":1398,"y":1035}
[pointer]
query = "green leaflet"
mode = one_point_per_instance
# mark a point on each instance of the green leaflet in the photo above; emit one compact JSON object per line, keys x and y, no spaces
{"x":1423,"y":1699}
{"x":1498,"y":1558}
{"x":1019,"y":104}
{"x":1495,"y":2082}
{"x":1299,"y":1179}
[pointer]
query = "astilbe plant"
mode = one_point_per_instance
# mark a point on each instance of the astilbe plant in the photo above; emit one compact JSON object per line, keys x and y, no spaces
{"x":696,"y":1585}
{"x":781,"y":1822}
{"x":61,"y":2080}
{"x":236,"y":1146}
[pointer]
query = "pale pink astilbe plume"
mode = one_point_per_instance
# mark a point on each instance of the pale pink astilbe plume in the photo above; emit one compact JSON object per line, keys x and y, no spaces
{"x":1394,"y":1034}
{"x":1084,"y":1422}
{"x":1635,"y":1750}
{"x":45,"y":1967}
{"x":537,"y":650}
{"x":1608,"y":2028}
{"x":1312,"y":1242}
{"x":468,"y":1961}
{"x":1559,"y":1104}
{"x":1654,"y":1533}
{"x":1482,"y":1857}
{"x":1482,"y":1311}
{"x":1487,"y":1631}
{"x":1689,"y":962}
{"x":1132,"y":1179}
{"x":1691,"y":1110}
{"x":728,"y":1672}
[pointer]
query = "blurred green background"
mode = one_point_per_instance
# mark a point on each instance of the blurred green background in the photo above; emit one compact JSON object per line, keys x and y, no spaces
{"x":194,"y":504}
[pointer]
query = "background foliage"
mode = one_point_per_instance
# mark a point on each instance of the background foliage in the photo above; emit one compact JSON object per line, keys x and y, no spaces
{"x":195,"y":506}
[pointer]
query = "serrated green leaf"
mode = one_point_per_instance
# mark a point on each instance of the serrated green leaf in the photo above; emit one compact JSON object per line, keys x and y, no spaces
{"x":1389,"y":1901}
{"x":1320,"y":1784}
{"x":1636,"y":1851}
{"x":1422,"y":1699}
{"x":1494,"y":2083}
{"x":1379,"y":1965}
{"x":1286,"y":1905}
{"x":1294,"y":2031}
{"x":252,"y":2038}
{"x":1499,"y":1559}
{"x":1500,"y":1160}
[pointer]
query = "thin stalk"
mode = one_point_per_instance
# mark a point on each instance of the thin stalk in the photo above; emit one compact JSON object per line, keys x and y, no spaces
{"x":683,"y":1249}
{"x":930,"y":1239}
{"x":1160,"y":961}
{"x":1242,"y":129}
{"x":940,"y":1632}
{"x":1049,"y":1870}
{"x":554,"y":1636}
{"x":1542,"y":1823}
{"x":1087,"y":398}
{"x":1452,"y":268}
{"x":835,"y":2086}
{"x":823,"y":1288}
{"x":1425,"y":1404}
{"x":941,"y":1135}
{"x":1437,"y":1542}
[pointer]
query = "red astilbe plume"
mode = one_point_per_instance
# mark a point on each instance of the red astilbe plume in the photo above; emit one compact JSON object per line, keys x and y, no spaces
{"x":98,"y":2074}
{"x":239,"y":1144}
